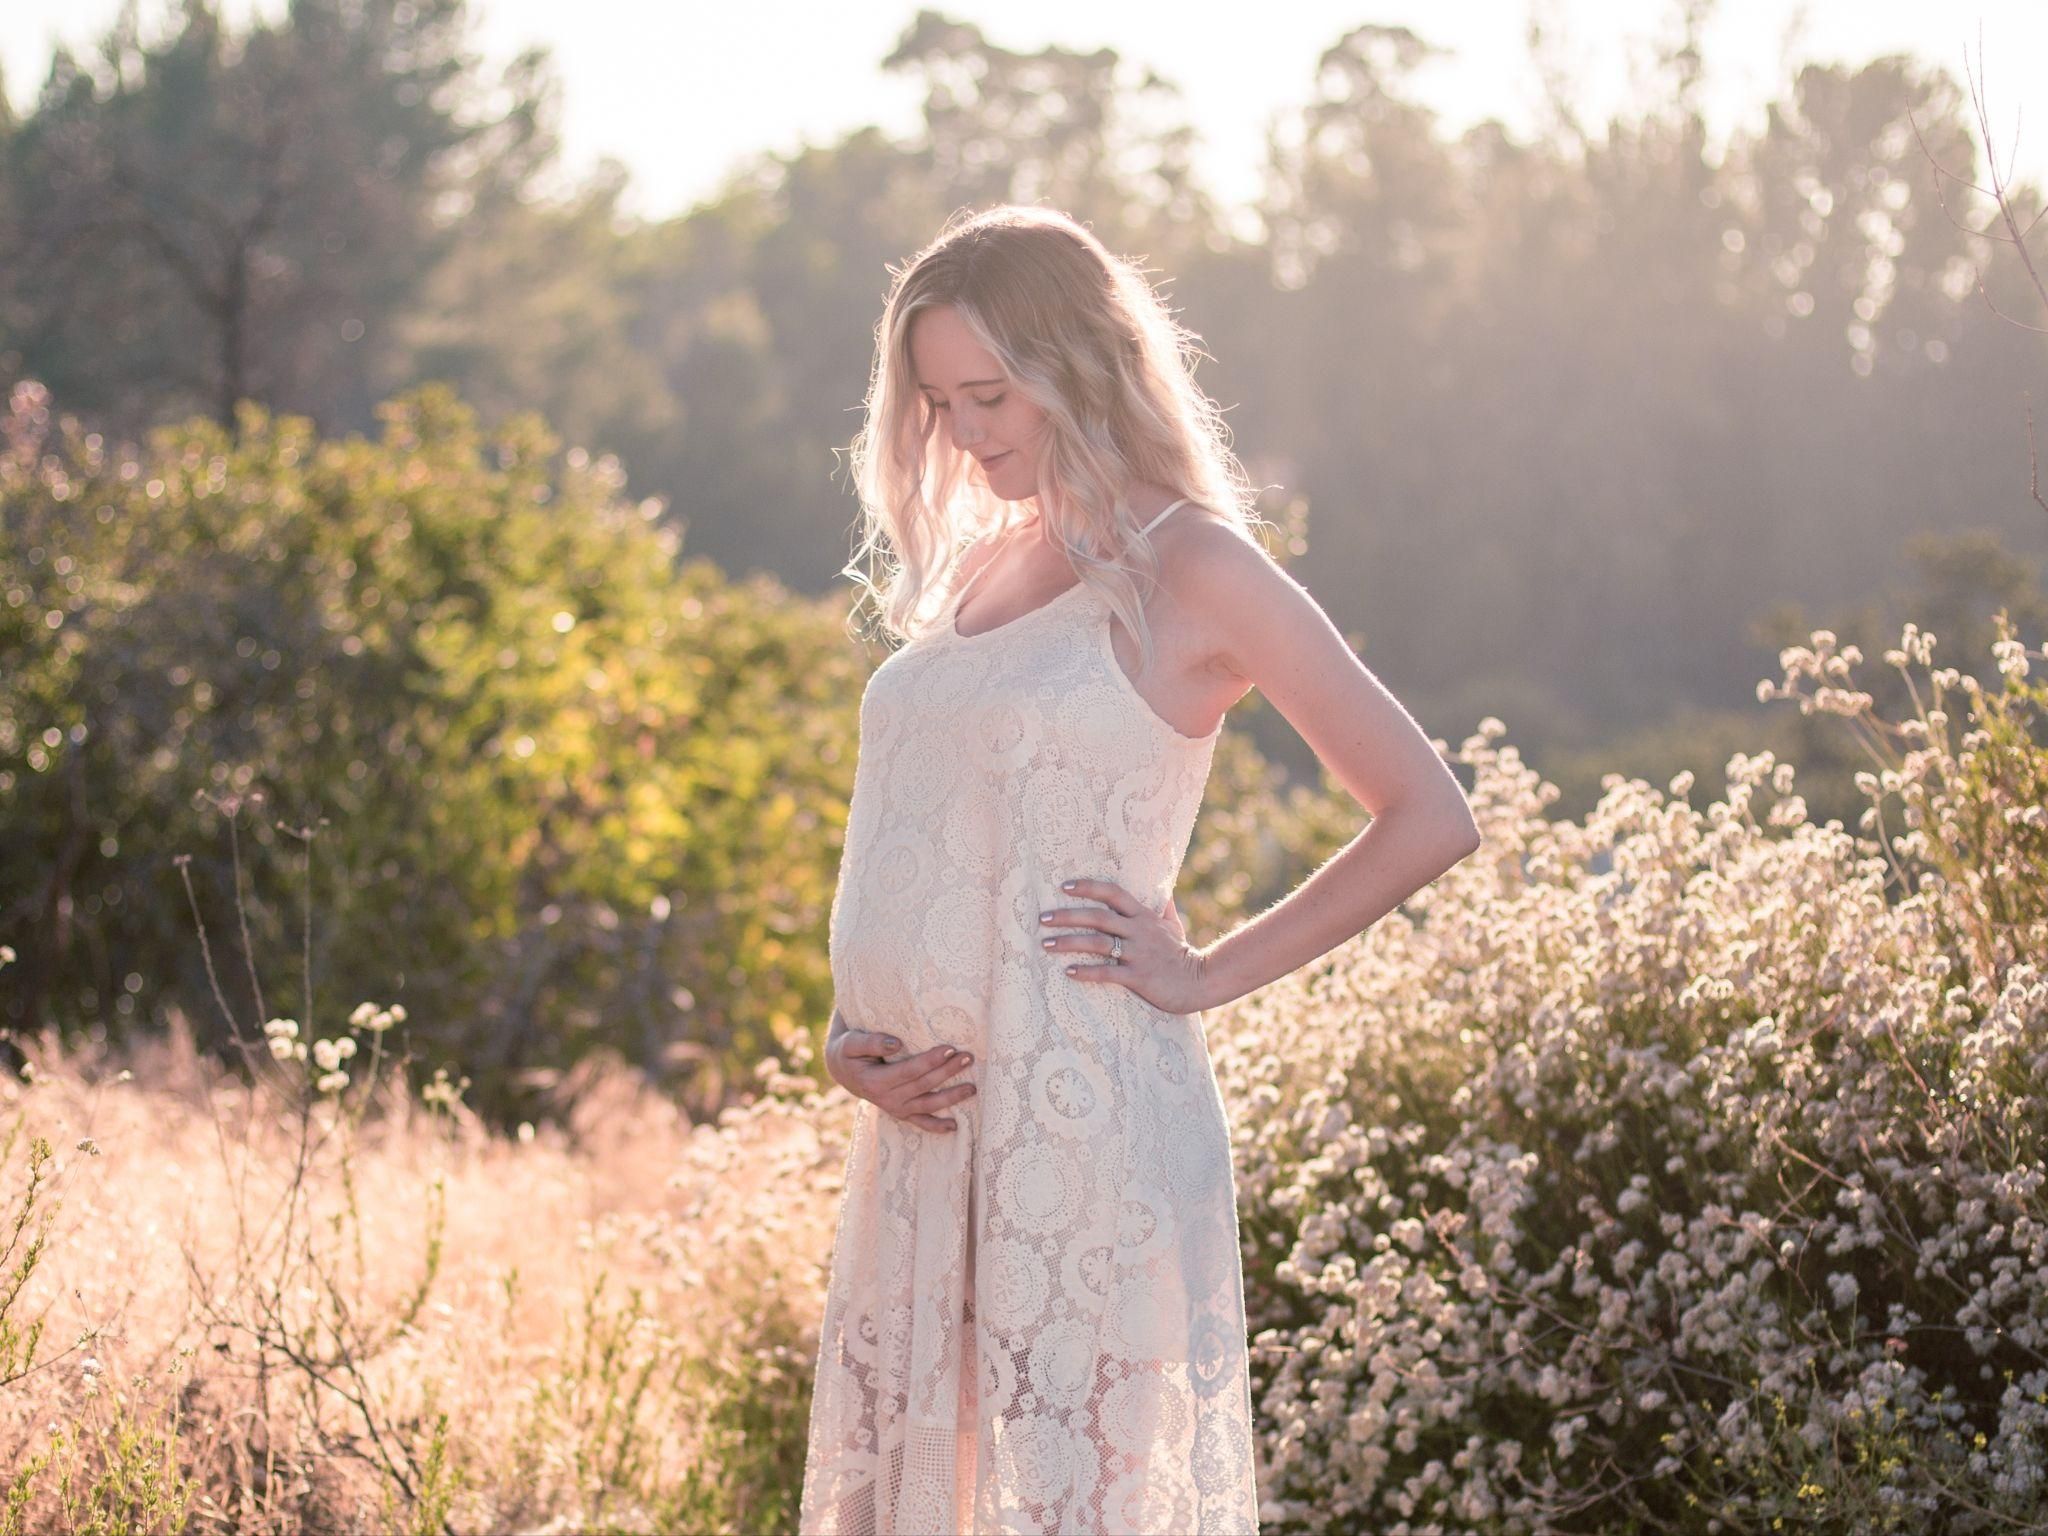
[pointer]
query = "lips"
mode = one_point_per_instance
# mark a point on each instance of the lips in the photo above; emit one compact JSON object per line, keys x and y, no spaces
{"x":985,"y":463}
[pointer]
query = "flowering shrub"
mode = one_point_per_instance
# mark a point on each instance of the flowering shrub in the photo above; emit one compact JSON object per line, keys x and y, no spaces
{"x":1678,"y":1170}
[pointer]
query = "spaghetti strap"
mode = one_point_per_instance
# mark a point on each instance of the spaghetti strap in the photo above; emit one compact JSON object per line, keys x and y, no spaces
{"x":1162,"y":516}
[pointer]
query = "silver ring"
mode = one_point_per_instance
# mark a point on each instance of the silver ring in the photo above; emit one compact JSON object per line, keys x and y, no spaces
{"x":1116,"y":946}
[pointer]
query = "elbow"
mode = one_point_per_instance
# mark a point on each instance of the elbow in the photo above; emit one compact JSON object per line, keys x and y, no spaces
{"x":1445,"y":822}
{"x":1462,"y":835}
{"x":1467,"y":843}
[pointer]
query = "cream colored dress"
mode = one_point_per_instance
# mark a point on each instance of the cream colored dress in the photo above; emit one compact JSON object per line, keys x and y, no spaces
{"x":1035,"y":1322}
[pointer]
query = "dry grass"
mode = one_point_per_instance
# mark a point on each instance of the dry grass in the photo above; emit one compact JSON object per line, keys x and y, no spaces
{"x":363,"y":1310}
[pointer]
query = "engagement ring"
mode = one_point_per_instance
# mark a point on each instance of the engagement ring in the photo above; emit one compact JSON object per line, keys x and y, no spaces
{"x":1116,"y":946}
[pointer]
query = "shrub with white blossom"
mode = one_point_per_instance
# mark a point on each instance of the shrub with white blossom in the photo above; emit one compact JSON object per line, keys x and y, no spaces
{"x":1677,"y":1171}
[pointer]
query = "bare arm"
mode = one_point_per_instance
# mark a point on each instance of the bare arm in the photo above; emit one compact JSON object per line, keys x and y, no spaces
{"x":1274,"y":635}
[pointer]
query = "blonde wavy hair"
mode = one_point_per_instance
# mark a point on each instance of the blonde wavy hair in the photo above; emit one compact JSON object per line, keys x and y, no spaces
{"x":1084,"y":336}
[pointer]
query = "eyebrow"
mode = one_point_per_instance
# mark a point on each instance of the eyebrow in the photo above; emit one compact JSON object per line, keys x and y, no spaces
{"x":966,"y":384}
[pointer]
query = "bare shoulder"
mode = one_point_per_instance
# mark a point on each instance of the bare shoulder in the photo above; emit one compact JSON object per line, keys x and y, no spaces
{"x":1222,"y":578}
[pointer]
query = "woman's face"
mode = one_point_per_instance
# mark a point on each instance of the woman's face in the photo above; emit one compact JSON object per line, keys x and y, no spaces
{"x":989,"y":418}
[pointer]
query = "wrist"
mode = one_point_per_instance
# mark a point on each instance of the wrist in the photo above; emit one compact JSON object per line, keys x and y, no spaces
{"x":833,"y":1036}
{"x":1211,"y":987}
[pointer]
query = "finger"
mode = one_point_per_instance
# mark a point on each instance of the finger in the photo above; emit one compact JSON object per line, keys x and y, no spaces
{"x":1108,"y":892}
{"x":930,"y":1122}
{"x":870,"y":1042}
{"x":1088,"y":918}
{"x":943,"y":1061}
{"x":1083,"y":944}
{"x":939,"y":1098}
{"x":1100,"y":970}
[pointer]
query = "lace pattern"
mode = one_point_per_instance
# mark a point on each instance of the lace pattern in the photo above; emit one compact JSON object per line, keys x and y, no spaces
{"x":1033,"y":1323}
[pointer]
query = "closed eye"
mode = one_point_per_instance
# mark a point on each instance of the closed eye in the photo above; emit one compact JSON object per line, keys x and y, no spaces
{"x":940,"y":405}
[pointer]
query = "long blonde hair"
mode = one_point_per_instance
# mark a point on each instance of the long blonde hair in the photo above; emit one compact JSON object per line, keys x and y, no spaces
{"x":1083,"y":335}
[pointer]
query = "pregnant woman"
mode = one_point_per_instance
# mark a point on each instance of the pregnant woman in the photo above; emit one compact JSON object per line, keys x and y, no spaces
{"x":1035,"y":1314}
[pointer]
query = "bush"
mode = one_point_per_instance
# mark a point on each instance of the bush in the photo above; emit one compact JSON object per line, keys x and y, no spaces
{"x":579,"y":795}
{"x":1680,"y":1170}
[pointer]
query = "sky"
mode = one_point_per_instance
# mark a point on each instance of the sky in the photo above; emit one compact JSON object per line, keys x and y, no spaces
{"x":683,"y":91}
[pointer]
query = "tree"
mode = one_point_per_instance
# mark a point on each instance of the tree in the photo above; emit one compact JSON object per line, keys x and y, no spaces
{"x":215,"y":223}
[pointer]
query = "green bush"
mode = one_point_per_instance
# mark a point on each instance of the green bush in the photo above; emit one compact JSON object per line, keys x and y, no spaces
{"x":566,"y":790}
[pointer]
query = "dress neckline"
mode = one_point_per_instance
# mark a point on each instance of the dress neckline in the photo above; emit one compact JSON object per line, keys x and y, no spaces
{"x":953,"y":613}
{"x":952,"y":624}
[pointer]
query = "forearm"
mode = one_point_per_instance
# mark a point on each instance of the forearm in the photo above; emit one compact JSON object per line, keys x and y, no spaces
{"x":1398,"y":853}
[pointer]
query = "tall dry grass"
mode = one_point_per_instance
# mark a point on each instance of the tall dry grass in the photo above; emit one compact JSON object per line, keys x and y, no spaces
{"x":325,"y":1302}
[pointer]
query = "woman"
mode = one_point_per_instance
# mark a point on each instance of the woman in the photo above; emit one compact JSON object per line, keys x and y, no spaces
{"x":1035,"y":1315}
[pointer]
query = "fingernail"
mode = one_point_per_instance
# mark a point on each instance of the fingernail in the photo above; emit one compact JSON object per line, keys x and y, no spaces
{"x":894,"y":1045}
{"x":1066,"y":885}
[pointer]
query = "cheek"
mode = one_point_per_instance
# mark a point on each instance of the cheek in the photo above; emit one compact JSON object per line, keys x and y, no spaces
{"x":1025,"y":424}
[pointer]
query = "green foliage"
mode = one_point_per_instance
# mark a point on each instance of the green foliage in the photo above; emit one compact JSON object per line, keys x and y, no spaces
{"x":121,"y":1477}
{"x":754,"y":1392}
{"x":19,"y":1257}
{"x":572,"y":793}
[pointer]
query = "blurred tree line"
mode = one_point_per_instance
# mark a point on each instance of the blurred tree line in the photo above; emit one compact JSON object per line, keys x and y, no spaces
{"x":1573,"y":416}
{"x":1584,"y":428}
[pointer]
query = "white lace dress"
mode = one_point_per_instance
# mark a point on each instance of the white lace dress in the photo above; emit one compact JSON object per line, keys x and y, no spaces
{"x":1035,"y":1322}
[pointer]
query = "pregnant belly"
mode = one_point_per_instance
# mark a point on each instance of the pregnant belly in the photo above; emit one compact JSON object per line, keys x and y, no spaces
{"x":917,"y":968}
